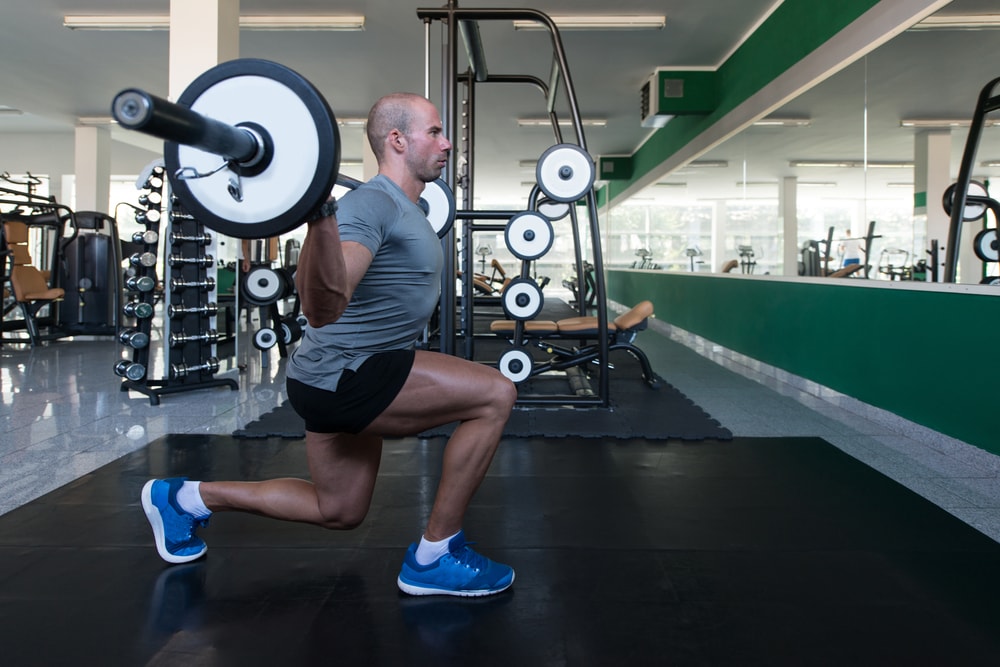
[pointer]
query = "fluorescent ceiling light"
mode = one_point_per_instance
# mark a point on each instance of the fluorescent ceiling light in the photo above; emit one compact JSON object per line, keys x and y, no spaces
{"x":352,"y":122}
{"x":96,"y":120}
{"x":671,"y":185}
{"x":943,"y":122}
{"x":10,"y":111}
{"x":850,"y":164}
{"x":756,"y":184}
{"x":816,"y":184}
{"x":990,"y":163}
{"x":527,"y":164}
{"x":566,"y":122}
{"x":648,"y":22}
{"x":899,"y":184}
{"x":959,"y":22}
{"x":302,"y":22}
{"x":776,"y":121}
{"x":162,"y":22}
{"x":708,"y":164}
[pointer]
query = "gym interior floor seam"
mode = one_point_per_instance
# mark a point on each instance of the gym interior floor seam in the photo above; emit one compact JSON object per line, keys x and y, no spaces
{"x":63,"y":415}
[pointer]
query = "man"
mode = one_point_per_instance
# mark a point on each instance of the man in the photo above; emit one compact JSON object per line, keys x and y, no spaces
{"x":368,"y":280}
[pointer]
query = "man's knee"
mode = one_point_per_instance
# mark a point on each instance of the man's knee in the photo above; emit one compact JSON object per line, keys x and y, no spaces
{"x":337,"y":515}
{"x":504,"y":394}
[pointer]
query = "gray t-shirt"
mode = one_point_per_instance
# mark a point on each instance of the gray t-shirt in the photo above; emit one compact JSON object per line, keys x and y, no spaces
{"x":396,"y":296}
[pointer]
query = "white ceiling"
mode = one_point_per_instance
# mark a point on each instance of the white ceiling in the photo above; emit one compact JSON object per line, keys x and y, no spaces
{"x":55,"y":76}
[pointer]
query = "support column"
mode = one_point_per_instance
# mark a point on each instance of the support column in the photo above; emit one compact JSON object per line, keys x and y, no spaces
{"x":931,"y":176}
{"x":368,"y":161}
{"x":719,"y":213}
{"x":203,"y":33}
{"x":788,"y":210}
{"x":92,"y":166}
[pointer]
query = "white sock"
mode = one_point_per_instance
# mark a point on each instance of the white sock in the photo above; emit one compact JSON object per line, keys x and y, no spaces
{"x":189,"y":500}
{"x":428,"y":552}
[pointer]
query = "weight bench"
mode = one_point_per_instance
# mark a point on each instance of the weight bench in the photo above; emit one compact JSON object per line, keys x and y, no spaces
{"x":543,"y":334}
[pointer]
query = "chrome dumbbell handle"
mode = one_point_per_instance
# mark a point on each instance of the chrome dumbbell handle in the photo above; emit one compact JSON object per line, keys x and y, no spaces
{"x":210,"y":365}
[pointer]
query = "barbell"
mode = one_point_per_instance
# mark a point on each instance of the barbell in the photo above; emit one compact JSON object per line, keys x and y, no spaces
{"x":252,"y":150}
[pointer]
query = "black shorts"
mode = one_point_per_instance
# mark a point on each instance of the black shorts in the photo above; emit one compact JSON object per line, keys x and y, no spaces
{"x":361,"y":395}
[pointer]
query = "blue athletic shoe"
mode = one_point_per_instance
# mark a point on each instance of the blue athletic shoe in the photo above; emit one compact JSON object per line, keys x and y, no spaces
{"x":173,"y":528}
{"x":461,"y":572}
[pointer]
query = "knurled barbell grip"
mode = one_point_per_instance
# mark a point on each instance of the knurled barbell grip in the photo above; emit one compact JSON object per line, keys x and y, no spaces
{"x":138,"y":110}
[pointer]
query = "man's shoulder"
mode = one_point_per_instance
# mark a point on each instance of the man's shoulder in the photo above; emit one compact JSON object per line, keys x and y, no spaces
{"x":367,"y":196}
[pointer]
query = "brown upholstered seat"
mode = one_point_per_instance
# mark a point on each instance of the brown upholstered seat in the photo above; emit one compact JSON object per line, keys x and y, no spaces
{"x":30,"y":285}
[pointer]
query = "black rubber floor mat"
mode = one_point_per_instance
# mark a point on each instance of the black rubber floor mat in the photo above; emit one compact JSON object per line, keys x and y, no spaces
{"x":635,"y":411}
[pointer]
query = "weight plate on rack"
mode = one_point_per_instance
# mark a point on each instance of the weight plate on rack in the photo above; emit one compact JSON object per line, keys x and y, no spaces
{"x":515,"y":365}
{"x":565,"y":172}
{"x":522,"y":299}
{"x":528,"y":235}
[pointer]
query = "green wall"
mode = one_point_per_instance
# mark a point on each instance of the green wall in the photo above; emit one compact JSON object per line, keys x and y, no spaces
{"x":918,"y":353}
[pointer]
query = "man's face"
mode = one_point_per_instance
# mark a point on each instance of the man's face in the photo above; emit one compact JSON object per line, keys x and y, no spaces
{"x":428,"y":148}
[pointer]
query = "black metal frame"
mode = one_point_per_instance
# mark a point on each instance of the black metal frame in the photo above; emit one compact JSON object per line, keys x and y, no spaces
{"x":988,"y":101}
{"x":464,"y":22}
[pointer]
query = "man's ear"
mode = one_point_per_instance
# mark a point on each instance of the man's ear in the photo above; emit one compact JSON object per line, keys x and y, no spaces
{"x":397,"y":140}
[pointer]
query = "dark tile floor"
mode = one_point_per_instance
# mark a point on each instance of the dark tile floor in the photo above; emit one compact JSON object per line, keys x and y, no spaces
{"x":755,"y":551}
{"x":774,"y":548}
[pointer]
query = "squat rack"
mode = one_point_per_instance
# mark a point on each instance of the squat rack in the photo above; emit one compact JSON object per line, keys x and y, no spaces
{"x":465,"y":22}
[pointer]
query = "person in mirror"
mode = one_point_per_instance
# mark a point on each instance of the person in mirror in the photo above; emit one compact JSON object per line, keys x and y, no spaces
{"x":851,"y":250}
{"x":369,"y":279}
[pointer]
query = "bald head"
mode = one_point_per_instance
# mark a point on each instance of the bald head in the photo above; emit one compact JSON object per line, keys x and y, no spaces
{"x":392,"y":112}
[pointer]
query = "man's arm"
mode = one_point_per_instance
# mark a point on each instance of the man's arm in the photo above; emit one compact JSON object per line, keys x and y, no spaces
{"x":328,"y":271}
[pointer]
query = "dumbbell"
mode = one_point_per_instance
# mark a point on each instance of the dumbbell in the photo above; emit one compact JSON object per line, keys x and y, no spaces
{"x":131,"y":370}
{"x":210,"y":365}
{"x":210,"y":308}
{"x":140,"y":283}
{"x":208,"y":284}
{"x":134,"y":338}
{"x":210,"y":336}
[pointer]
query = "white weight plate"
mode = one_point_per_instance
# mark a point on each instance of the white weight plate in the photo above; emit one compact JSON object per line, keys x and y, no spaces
{"x":265,"y":339}
{"x":986,"y":245}
{"x":263,"y":286}
{"x":522,"y":299}
{"x":975,"y":211}
{"x":553,"y":210}
{"x":565,"y":172}
{"x":515,"y":365}
{"x":303,"y":163}
{"x":439,"y":204}
{"x":528,"y":235}
{"x":296,"y":149}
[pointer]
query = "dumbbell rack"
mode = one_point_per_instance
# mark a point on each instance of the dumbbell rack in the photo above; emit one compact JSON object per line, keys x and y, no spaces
{"x":190,"y":317}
